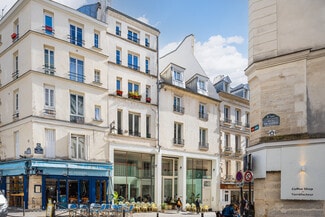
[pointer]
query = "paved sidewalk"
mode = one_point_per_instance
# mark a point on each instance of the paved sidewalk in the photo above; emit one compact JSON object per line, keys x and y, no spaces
{"x":42,"y":213}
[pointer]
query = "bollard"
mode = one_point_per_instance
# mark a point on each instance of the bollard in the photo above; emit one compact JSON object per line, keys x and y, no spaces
{"x":157,"y":214}
{"x":202,"y":214}
{"x":123,"y":213}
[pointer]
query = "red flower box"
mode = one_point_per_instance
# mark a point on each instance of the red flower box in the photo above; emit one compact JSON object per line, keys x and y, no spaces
{"x":48,"y":28}
{"x":148,"y":99}
{"x":119,"y":92}
{"x":13,"y":35}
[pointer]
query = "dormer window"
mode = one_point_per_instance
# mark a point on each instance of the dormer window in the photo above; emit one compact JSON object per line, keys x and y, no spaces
{"x":178,"y":78}
{"x":202,"y":87}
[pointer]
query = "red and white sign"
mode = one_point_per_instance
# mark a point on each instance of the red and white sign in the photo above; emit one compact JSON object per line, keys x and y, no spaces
{"x":248,"y":176}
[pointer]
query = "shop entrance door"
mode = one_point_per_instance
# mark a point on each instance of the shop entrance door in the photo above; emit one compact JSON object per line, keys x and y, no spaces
{"x":168,"y":190}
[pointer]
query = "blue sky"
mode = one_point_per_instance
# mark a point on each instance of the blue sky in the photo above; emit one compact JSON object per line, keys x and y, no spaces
{"x":220,"y":28}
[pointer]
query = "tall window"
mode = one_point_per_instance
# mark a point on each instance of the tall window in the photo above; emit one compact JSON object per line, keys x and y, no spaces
{"x":48,"y":21}
{"x":178,"y":105}
{"x":50,"y":143}
{"x":16,"y":102}
{"x":148,"y":93}
{"x":178,"y":78}
{"x":97,"y":76}
{"x":76,"y":35}
{"x":247,"y":119}
{"x":118,"y":84}
{"x":76,"y":108}
{"x":227,"y":141}
{"x":133,"y":36}
{"x":15,"y":34}
{"x":226,"y":114}
{"x":202,"y":85}
{"x":237,"y":143}
{"x":119,"y":122}
{"x":147,"y":41}
{"x":133,"y":61}
{"x":228,"y":169}
{"x":147,"y":65}
{"x":15,"y":74}
{"x":98,"y":113}
{"x":178,"y":134}
{"x":49,"y":61}
{"x":238,"y":166}
{"x":148,"y":126}
{"x":132,"y":87}
{"x":202,"y":112}
{"x":78,"y":147}
{"x":238,"y":116}
{"x":96,"y":40}
{"x":118,"y":29}
{"x":49,"y":97}
{"x":76,"y":69}
{"x":118,"y":56}
{"x":134,"y":124}
{"x":203,"y":138}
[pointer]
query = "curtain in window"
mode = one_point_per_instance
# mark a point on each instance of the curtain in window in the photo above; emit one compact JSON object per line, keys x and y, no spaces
{"x":73,"y":109}
{"x":50,"y":143}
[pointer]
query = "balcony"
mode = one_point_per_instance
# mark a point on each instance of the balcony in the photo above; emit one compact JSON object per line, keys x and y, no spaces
{"x":203,"y":116}
{"x":134,"y":133}
{"x":15,"y":74}
{"x":178,"y":141}
{"x":134,"y":39}
{"x":134,"y":95}
{"x":203,"y":146}
{"x":48,"y":30}
{"x":77,"y":119}
{"x":178,"y":109}
{"x":134,"y":67}
{"x":49,"y":111}
{"x":227,"y":150}
{"x":50,"y":70}
{"x":76,"y":77}
{"x":238,"y":152}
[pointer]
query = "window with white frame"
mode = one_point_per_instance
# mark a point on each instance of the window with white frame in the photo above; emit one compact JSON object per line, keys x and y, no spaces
{"x":237,"y":143}
{"x":16,"y":103}
{"x":76,"y":69}
{"x":203,"y":138}
{"x":178,"y":104}
{"x":226,"y":114}
{"x":76,"y":35}
{"x":50,"y":145}
{"x":15,"y":74}
{"x":133,"y":61}
{"x":49,"y":102}
{"x":147,"y":65}
{"x":133,"y":87}
{"x":118,"y":56}
{"x":76,"y":108}
{"x":119,"y":122}
{"x":15,"y":34}
{"x":228,"y":169}
{"x":48,"y":23}
{"x":148,"y":122}
{"x":147,"y":40}
{"x":238,"y":166}
{"x":148,"y":93}
{"x":49,"y":61}
{"x":178,"y":78}
{"x":247,"y":119}
{"x":238,"y":116}
{"x":227,"y":142}
{"x":202,"y":112}
{"x":118,"y":29}
{"x":134,"y":124}
{"x":78,"y":147}
{"x":133,"y":36}
{"x":97,"y":76}
{"x":98,"y":113}
{"x":202,"y":85}
{"x":96,"y":39}
{"x":178,"y":133}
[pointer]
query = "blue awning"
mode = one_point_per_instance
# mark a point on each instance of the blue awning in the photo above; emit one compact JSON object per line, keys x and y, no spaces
{"x":56,"y":167}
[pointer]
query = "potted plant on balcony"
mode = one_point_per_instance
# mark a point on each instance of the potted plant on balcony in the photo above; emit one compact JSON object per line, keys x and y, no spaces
{"x":148,"y":99}
{"x":134,"y":95}
{"x":119,"y":92}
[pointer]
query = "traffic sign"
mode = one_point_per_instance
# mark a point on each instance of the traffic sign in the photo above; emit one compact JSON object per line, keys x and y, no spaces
{"x":248,"y":176}
{"x":239,"y":176}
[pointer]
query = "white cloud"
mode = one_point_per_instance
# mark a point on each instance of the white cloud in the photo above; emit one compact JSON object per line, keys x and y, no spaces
{"x":143,"y":19}
{"x":218,"y":56}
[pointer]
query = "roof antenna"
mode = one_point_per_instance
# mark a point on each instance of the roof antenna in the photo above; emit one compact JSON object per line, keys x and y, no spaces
{"x":2,"y":11}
